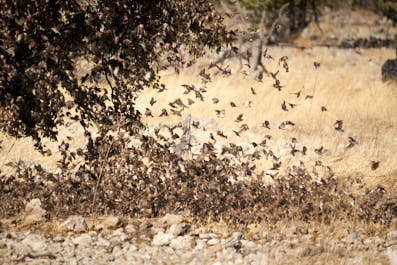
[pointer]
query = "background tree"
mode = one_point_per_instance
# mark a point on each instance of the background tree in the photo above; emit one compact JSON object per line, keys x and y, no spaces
{"x":126,"y":40}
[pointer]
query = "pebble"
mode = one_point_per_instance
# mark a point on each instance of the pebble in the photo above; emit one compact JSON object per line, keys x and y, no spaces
{"x":74,"y":223}
{"x":162,"y":239}
{"x":181,"y":242}
{"x":33,"y":212}
{"x":117,"y":247}
{"x":177,"y":229}
{"x":35,"y":242}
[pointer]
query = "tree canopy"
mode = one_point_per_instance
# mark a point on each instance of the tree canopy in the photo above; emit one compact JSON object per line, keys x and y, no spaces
{"x":126,"y":40}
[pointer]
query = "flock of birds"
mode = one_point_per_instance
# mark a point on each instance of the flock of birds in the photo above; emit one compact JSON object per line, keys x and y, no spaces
{"x":260,"y":149}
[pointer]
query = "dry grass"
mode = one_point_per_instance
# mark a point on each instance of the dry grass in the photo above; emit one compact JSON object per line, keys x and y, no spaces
{"x":347,"y":83}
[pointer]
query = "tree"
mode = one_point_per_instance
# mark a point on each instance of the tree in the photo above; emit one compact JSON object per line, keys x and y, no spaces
{"x":40,"y":42}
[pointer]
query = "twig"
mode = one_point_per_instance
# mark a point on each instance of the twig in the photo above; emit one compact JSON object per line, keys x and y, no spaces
{"x":100,"y":174}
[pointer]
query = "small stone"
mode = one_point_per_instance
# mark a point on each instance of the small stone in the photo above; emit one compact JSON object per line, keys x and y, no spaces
{"x":58,"y":239}
{"x":392,"y":235}
{"x":33,"y":212}
{"x":201,"y":244}
{"x":36,"y":243}
{"x":170,"y":219}
{"x":74,"y":223}
{"x":130,"y":229}
{"x":234,"y":241}
{"x":120,"y":234}
{"x":248,"y":244}
{"x":256,"y":237}
{"x":162,"y":239}
{"x":391,"y":254}
{"x":111,"y":222}
{"x":177,"y":229}
{"x":102,"y":242}
{"x":213,"y":242}
{"x":83,"y":240}
{"x":181,"y":242}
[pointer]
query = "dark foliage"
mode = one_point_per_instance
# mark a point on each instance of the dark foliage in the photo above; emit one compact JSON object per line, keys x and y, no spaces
{"x":41,"y":41}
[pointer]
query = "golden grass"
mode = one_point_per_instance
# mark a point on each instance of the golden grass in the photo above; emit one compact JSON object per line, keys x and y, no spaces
{"x":347,"y":83}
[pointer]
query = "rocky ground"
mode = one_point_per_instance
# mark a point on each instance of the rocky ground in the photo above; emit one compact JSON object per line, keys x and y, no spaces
{"x":173,"y":239}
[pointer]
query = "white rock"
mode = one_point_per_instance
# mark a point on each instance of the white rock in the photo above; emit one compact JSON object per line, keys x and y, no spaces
{"x":213,"y":242}
{"x":391,"y":254}
{"x":176,"y":229}
{"x":201,"y":244}
{"x":36,"y":243}
{"x":111,"y":222}
{"x":392,"y":235}
{"x":74,"y":223}
{"x":119,"y":233}
{"x":248,"y":244}
{"x":102,"y":242}
{"x":181,"y":242}
{"x":33,"y":212}
{"x":162,"y":239}
{"x":58,"y":238}
{"x":83,"y":240}
{"x":170,"y":219}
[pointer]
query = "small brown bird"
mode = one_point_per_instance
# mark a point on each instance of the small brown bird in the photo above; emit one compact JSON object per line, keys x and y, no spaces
{"x":199,"y":95}
{"x":189,"y":101}
{"x":212,"y":137}
{"x":374,"y":165}
{"x":266,"y":124}
{"x":220,"y":133}
{"x":297,"y":94}
{"x":284,"y":106}
{"x":236,"y":133}
{"x":177,"y":113}
{"x":239,"y":118}
{"x":188,"y":88}
{"x":148,"y":113}
{"x":352,"y":142}
{"x":163,"y":113}
{"x":215,"y":100}
{"x":323,"y":108}
{"x":162,"y":88}
{"x":196,"y":124}
{"x":179,"y":102}
{"x":339,"y":124}
{"x":232,"y":104}
{"x":316,"y":65}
